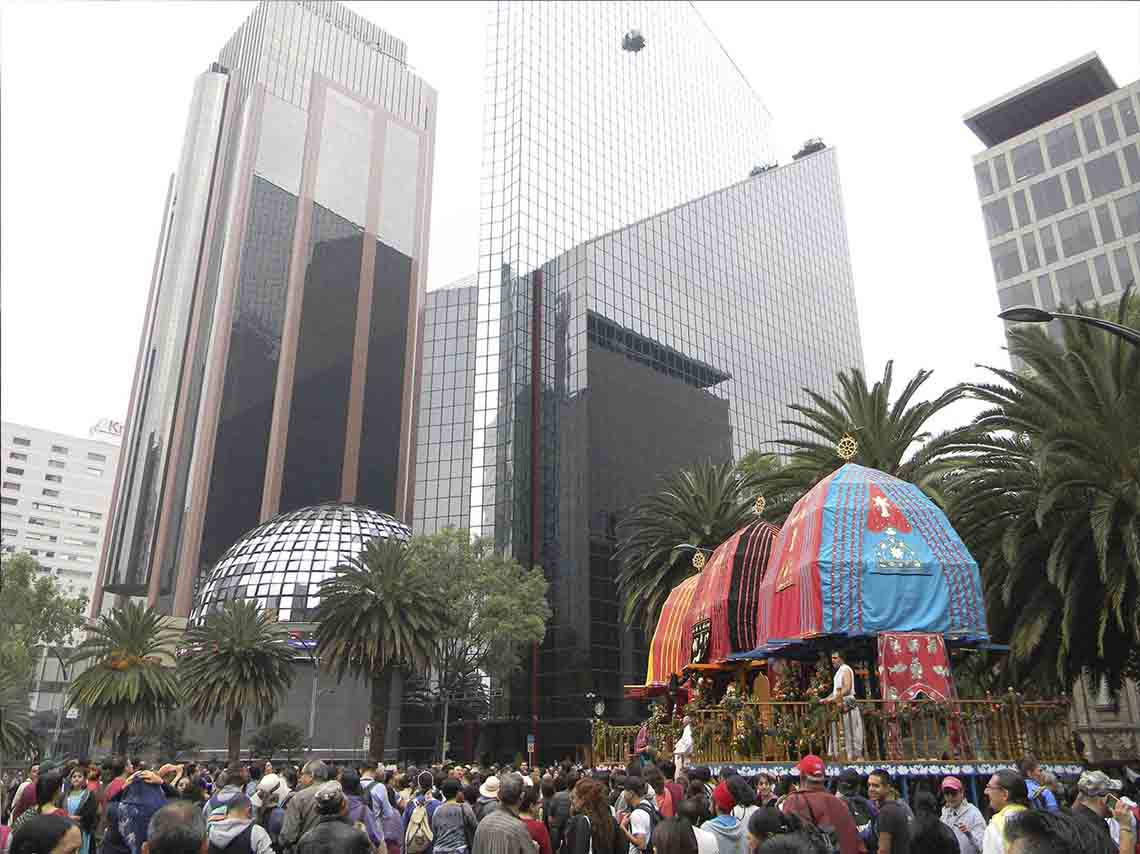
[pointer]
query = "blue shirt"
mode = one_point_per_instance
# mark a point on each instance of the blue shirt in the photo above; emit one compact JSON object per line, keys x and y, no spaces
{"x":1046,"y":795}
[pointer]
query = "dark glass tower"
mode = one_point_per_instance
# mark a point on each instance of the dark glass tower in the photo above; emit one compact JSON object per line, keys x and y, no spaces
{"x":643,"y":304}
{"x":277,"y":362}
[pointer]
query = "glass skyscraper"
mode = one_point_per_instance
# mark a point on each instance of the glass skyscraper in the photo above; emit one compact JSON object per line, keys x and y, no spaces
{"x":277,"y":363}
{"x":650,"y":294}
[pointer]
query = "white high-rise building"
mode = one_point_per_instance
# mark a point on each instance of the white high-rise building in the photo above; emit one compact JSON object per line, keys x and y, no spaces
{"x":56,"y":496}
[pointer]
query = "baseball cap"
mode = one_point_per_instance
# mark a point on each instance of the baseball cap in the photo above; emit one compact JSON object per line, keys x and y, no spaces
{"x":849,"y":777}
{"x":952,"y":783}
{"x":812,"y":767}
{"x":723,"y":798}
{"x":1097,"y":784}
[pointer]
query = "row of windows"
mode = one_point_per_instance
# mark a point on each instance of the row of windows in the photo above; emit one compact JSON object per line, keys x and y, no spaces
{"x":24,"y":442}
{"x":1104,"y":176}
{"x":1061,"y":145}
{"x":1073,"y":283}
{"x":1075,"y":235}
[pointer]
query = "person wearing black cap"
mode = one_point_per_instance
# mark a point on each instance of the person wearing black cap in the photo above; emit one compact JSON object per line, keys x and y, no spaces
{"x":333,"y":830}
{"x":861,"y":809}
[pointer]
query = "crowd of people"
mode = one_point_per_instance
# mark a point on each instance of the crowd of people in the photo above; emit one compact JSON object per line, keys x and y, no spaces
{"x":119,"y":807}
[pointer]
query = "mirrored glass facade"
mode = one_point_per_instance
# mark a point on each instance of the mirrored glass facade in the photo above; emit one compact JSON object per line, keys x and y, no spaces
{"x":277,"y":368}
{"x":280,"y":564}
{"x":643,"y":304}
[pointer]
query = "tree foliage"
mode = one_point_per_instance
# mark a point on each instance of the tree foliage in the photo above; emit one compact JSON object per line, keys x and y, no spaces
{"x":701,"y":506}
{"x":278,"y":737}
{"x":379,"y":612}
{"x":17,"y":741}
{"x":236,"y":661}
{"x":1046,"y":494}
{"x":131,"y":680}
{"x":494,"y":607}
{"x":34,"y":611}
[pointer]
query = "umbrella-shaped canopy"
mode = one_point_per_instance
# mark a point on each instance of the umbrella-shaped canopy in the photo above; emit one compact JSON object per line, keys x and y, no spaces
{"x":669,"y":648}
{"x":862,"y":553}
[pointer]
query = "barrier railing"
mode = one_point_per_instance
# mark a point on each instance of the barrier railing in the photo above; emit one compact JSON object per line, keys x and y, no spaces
{"x":994,"y":729}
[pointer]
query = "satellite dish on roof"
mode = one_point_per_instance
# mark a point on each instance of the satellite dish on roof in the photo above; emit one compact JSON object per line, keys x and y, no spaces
{"x":633,"y":41}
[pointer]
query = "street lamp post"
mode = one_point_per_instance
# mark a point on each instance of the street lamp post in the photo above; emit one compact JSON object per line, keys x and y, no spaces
{"x":1032,"y":314}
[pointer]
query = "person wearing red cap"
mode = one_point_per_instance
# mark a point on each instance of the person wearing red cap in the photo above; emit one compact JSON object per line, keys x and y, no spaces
{"x":962,"y":817}
{"x":729,"y":832}
{"x":813,"y":803}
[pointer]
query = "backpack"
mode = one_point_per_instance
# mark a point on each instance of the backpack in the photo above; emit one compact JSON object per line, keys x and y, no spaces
{"x":654,"y":818}
{"x":824,"y":836}
{"x":864,"y":813}
{"x":419,"y":836}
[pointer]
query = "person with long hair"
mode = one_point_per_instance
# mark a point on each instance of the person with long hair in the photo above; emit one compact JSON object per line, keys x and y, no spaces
{"x":591,"y":826}
{"x":49,"y":793}
{"x":44,"y":833}
{"x":674,"y":836}
{"x":928,"y":834}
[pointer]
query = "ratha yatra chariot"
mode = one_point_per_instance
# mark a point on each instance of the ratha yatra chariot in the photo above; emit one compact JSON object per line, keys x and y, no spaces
{"x":867,"y":567}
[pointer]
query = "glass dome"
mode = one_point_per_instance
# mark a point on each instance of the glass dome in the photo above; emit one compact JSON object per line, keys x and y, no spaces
{"x":281,"y":563}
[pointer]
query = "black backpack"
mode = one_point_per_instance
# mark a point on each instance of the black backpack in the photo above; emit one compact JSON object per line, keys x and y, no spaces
{"x":654,"y":817}
{"x":824,"y":837}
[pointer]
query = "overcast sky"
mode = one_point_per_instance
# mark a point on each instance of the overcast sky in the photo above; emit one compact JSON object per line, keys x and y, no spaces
{"x":93,"y":100}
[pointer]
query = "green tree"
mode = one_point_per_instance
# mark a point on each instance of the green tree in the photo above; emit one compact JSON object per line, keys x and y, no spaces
{"x":172,"y":739}
{"x":237,"y":661}
{"x":131,"y":680}
{"x":701,"y":506}
{"x":379,"y":613}
{"x":495,"y":610}
{"x":1046,"y":494}
{"x":278,"y":737}
{"x":35,"y":611}
{"x":891,"y":436}
{"x":16,"y":739}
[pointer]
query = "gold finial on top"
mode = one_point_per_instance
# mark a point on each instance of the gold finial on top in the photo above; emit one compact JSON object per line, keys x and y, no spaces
{"x":760,"y":505}
{"x":699,"y":560}
{"x":847,"y":448}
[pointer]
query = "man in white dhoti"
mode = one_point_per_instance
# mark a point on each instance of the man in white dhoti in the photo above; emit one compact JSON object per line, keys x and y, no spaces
{"x":843,"y":695}
{"x":684,"y":745}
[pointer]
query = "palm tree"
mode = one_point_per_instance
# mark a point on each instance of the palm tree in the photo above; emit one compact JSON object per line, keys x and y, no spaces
{"x":131,"y":681}
{"x":891,"y":437}
{"x":701,"y":506}
{"x":1047,"y":497}
{"x":379,"y":613}
{"x":16,"y":739}
{"x":236,"y":661}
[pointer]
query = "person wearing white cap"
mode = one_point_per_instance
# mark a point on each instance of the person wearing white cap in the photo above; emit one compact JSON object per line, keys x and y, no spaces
{"x":488,"y":798}
{"x":962,"y":817}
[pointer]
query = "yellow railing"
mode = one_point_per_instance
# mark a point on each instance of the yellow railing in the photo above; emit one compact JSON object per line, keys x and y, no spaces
{"x":997,"y":729}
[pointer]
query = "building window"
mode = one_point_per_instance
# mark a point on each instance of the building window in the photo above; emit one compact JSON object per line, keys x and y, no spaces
{"x":1062,"y":145}
{"x":95,"y":470}
{"x":43,"y":505}
{"x":1076,"y":234}
{"x":1048,"y":247}
{"x":1076,"y":188}
{"x":1022,"y":206}
{"x":1007,"y":261}
{"x":1045,"y":292}
{"x":1128,"y":116}
{"x":9,"y":501}
{"x":21,"y":441}
{"x":1048,"y":197}
{"x":985,"y":182}
{"x":1027,"y":160}
{"x":998,"y":219}
{"x":12,"y":485}
{"x":1123,"y":266}
{"x":1075,"y":283}
{"x":1104,"y":175}
{"x":56,"y":464}
{"x":1088,"y":131}
{"x":96,"y":458}
{"x":1108,"y":125}
{"x":53,"y":478}
{"x":1128,"y":213}
{"x":1103,"y":275}
{"x":51,"y":493}
{"x":1002,"y":172}
{"x":59,"y":449}
{"x":13,"y":470}
{"x":1132,"y":158}
{"x":1019,"y":294}
{"x":1104,"y":220}
{"x":1029,"y":247}
{"x":16,"y":455}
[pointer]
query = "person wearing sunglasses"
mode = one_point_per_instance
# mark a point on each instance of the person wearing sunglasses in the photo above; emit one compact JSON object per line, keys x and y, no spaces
{"x":1008,"y":796}
{"x":962,"y":817}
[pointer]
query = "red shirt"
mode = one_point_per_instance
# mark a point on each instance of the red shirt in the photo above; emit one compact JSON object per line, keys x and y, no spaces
{"x":539,"y":834}
{"x":113,"y":788}
{"x":824,"y":809}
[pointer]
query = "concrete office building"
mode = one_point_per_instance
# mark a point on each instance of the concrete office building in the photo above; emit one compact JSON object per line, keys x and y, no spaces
{"x":1059,"y":184}
{"x":643,"y":304}
{"x":56,"y":499}
{"x":276,"y":367}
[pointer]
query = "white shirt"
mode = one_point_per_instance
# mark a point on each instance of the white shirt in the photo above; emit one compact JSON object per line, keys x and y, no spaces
{"x":684,"y":744}
{"x":837,"y":690}
{"x":971,"y":841}
{"x":706,"y":841}
{"x":639,"y":824}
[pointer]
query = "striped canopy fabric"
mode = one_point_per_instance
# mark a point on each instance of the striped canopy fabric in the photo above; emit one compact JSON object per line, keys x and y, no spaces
{"x":669,"y":649}
{"x":863,"y":553}
{"x":728,"y":594}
